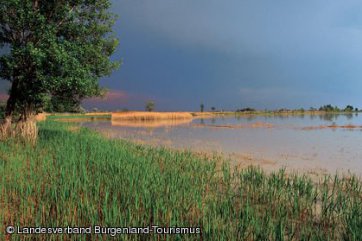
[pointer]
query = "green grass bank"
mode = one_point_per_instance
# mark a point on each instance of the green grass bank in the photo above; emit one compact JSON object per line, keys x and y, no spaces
{"x":75,"y":177}
{"x":78,"y":116}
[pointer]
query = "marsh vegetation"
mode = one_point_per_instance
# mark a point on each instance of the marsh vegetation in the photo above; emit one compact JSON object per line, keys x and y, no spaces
{"x":77,"y":177}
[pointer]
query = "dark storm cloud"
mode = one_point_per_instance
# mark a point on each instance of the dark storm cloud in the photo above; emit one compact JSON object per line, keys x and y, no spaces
{"x":232,"y":53}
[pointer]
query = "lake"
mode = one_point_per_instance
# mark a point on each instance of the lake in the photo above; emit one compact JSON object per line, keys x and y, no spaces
{"x":306,"y":143}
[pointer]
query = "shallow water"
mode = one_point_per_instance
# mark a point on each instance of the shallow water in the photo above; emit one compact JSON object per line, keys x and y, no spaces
{"x":295,"y":142}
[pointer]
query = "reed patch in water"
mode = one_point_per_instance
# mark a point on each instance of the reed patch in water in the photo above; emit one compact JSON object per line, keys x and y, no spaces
{"x":150,"y":116}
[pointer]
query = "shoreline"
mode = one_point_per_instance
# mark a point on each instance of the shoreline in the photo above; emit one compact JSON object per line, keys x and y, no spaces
{"x":144,"y":115}
{"x":242,"y":160}
{"x":70,"y":169}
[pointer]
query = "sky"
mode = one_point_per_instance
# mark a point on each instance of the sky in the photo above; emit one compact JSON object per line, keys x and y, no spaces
{"x":233,"y":54}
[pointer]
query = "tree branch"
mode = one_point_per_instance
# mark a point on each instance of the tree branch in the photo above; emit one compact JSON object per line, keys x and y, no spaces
{"x":63,"y":20}
{"x":35,"y":5}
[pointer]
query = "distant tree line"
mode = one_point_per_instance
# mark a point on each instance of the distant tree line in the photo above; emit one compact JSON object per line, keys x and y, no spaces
{"x":326,"y":108}
{"x":247,"y":109}
{"x":330,"y":108}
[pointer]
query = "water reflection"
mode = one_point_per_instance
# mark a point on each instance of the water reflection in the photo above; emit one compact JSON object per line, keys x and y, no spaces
{"x":349,"y":116}
{"x":150,"y":123}
{"x":319,"y":142}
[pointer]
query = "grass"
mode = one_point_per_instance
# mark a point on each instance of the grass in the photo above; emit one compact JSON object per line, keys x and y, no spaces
{"x":79,"y":178}
{"x":79,"y":116}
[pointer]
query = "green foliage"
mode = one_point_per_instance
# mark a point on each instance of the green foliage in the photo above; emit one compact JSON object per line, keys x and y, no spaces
{"x":57,"y":48}
{"x":348,"y":108}
{"x":60,"y":104}
{"x":248,"y":109}
{"x":150,"y":106}
{"x":329,"y":108}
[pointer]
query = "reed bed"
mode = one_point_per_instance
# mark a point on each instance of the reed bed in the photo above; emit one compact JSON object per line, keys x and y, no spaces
{"x":81,"y":179}
{"x":150,"y":116}
{"x":5,"y":130}
{"x":25,"y":131}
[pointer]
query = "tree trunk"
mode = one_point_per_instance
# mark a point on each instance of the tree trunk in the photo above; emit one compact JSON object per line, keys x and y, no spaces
{"x":25,"y":127}
{"x":11,"y":102}
{"x":5,"y":126}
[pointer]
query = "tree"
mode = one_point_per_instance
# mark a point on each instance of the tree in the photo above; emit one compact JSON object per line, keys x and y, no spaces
{"x":56,"y":50}
{"x":247,"y":109}
{"x":348,"y":108}
{"x":213,"y":108}
{"x":202,"y":107}
{"x":61,"y":104}
{"x":328,"y":108}
{"x":150,"y":106}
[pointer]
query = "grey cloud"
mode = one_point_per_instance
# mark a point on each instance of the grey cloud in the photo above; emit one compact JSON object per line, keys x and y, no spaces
{"x":256,"y":26}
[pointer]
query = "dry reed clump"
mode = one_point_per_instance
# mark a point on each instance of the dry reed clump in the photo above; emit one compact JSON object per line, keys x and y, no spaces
{"x":41,"y":117}
{"x":26,"y":131}
{"x":5,"y":131}
{"x":151,"y":116}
